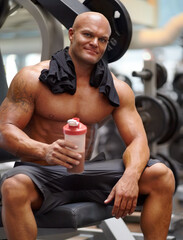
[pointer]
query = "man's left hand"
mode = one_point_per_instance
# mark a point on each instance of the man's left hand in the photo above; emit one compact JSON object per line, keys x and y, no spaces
{"x":125,"y":194}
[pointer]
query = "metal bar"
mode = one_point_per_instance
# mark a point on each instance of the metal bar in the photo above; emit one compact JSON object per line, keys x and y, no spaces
{"x":65,"y":11}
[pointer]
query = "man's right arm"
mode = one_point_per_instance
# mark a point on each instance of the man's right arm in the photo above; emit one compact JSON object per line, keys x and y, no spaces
{"x":16,"y":112}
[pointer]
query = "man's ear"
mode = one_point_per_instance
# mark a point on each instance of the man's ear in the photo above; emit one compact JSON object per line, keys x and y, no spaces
{"x":71,"y":32}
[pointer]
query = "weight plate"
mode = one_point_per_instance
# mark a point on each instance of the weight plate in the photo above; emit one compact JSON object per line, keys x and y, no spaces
{"x":173,"y":112}
{"x":120,"y":22}
{"x":178,"y":83}
{"x":161,"y":75}
{"x":176,"y":148}
{"x":154,"y":116}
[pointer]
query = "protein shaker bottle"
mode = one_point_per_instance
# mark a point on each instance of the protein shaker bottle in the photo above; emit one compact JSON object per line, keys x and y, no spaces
{"x":75,"y":132}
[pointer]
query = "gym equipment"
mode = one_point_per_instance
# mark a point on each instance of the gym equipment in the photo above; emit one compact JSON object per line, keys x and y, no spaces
{"x":154,"y":116}
{"x":146,"y":74}
{"x":65,"y":11}
{"x":109,"y":141}
{"x":4,"y":10}
{"x":178,"y":83}
{"x":176,"y":148}
{"x":50,"y":28}
{"x":120,"y":22}
{"x":178,"y":78}
{"x":174,"y":117}
{"x":160,"y":117}
{"x":161,"y":75}
{"x":114,"y":11}
{"x":3,"y":83}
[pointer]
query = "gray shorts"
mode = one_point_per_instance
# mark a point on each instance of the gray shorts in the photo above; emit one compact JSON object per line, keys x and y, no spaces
{"x":59,"y":187}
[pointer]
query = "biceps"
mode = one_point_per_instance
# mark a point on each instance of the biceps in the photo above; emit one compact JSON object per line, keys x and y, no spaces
{"x":129,"y":124}
{"x":17,"y":113}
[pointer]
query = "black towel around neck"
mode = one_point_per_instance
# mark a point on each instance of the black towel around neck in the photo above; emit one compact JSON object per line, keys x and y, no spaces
{"x":61,"y":77}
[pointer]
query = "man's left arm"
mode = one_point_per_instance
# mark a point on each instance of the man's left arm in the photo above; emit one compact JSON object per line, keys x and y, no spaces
{"x":136,"y":155}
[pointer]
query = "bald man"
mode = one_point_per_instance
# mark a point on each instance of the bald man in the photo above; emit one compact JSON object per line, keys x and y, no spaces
{"x":76,"y":82}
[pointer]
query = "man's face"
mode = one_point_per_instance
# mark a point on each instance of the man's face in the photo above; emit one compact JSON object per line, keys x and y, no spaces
{"x":89,"y":40}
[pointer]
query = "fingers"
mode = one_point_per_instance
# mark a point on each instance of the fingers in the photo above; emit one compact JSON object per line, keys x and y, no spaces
{"x":68,"y":153}
{"x":61,"y":153}
{"x":64,"y":143}
{"x":66,"y":158}
{"x":123,"y":207}
{"x":110,"y":197}
{"x":61,"y":159}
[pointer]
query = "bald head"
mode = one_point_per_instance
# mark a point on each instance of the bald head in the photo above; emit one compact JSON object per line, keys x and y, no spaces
{"x":92,"y":18}
{"x":89,"y":37}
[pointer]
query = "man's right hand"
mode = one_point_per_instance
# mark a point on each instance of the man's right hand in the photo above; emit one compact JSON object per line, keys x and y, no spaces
{"x":60,"y":153}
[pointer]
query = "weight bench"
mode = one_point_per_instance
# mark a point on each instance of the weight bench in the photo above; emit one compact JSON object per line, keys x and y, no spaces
{"x":64,"y":221}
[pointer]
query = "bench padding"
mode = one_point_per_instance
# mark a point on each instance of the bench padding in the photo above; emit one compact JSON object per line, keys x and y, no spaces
{"x":73,"y":215}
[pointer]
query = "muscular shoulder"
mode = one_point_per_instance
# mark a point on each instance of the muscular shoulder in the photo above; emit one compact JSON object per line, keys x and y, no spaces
{"x":31,"y":73}
{"x":26,"y":81}
{"x":125,"y":93}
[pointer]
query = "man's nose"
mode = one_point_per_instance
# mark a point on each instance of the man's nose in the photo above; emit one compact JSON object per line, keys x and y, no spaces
{"x":95,"y":41}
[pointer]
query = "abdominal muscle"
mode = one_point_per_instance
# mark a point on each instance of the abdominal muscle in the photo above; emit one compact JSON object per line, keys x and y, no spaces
{"x":50,"y":131}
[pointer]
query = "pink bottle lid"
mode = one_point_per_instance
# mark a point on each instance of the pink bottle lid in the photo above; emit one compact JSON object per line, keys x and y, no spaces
{"x":74,"y":127}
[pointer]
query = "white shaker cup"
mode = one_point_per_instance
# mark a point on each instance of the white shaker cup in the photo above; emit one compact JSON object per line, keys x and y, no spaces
{"x":75,"y":132}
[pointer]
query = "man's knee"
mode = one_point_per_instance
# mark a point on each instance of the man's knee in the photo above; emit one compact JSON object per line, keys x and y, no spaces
{"x":158,"y":177}
{"x":165,"y":177}
{"x":16,"y":189}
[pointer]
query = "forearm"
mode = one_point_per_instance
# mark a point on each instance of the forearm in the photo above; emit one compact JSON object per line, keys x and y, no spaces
{"x":15,"y":141}
{"x":135,"y":157}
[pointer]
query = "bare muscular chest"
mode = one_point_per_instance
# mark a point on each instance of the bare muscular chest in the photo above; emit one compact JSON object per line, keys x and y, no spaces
{"x":87,"y":104}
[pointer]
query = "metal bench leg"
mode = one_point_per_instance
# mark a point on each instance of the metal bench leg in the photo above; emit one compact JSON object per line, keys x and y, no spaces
{"x":116,"y":229}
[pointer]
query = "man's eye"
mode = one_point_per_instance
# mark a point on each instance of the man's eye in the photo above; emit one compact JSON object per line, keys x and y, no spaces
{"x":103,"y":40}
{"x":87,"y":34}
